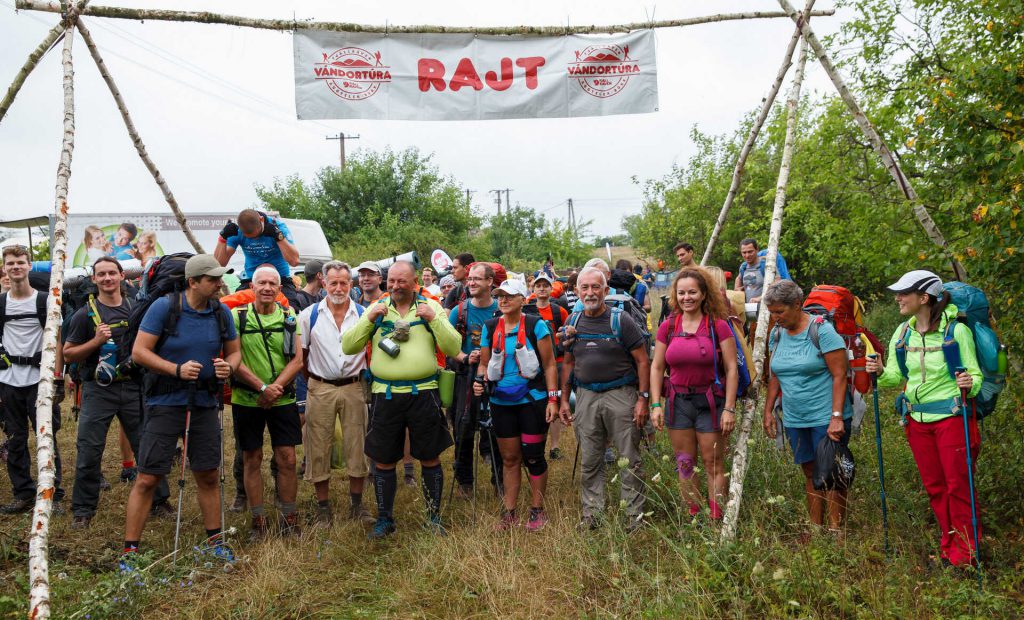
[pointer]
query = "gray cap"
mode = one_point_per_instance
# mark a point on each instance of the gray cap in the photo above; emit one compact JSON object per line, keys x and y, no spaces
{"x":919,"y":280}
{"x":313,"y":266}
{"x":205,"y":265}
{"x":372,"y":266}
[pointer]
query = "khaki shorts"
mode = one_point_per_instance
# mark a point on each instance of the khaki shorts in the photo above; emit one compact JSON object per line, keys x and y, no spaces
{"x":324,"y":404}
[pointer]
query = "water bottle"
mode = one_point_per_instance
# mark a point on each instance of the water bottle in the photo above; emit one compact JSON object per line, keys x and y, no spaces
{"x":1002,"y":361}
{"x":289,"y":334}
{"x":106,"y":369}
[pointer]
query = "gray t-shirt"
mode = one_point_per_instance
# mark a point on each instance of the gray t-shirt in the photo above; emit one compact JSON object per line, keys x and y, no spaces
{"x":753,"y":281}
{"x":601,"y":361}
{"x":22,"y":337}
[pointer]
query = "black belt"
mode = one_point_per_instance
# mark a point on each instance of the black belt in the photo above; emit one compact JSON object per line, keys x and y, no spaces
{"x":336,"y":382}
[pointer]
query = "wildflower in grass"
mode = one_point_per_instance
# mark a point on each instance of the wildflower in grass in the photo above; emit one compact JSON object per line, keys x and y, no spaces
{"x":656,"y":477}
{"x":623,"y":462}
{"x":757,"y":570}
{"x":779,"y":574}
{"x":664,"y":457}
{"x":622,"y":503}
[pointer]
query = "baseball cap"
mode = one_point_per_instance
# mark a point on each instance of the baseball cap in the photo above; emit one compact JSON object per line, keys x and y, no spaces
{"x":204,"y":265}
{"x":314,"y":267}
{"x":511,"y":287}
{"x":372,"y":266}
{"x":919,"y":280}
{"x":543,"y":275}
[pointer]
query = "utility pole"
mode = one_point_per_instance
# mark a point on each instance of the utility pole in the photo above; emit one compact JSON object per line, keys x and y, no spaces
{"x":469,"y":197}
{"x":341,"y":137}
{"x":571,"y":220}
{"x":508,"y":207}
{"x":497,"y":198}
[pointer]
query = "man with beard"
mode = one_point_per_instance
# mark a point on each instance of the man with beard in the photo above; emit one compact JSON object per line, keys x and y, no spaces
{"x":606,"y":361}
{"x":404,"y":331}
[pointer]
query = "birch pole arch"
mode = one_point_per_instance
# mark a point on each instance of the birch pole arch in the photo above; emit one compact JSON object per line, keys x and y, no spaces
{"x":38,"y":567}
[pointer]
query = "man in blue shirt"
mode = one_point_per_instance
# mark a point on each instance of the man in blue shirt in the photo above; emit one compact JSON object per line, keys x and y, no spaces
{"x":121,"y":246}
{"x":468,"y":317}
{"x":185,"y":367}
{"x":263,"y":239}
{"x":751,"y":271}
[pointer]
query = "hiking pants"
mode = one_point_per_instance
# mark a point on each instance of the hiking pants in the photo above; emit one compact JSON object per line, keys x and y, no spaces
{"x":19,"y":419}
{"x":602,"y":417}
{"x":940,"y":452}
{"x":99,"y":407}
{"x":464,"y":423}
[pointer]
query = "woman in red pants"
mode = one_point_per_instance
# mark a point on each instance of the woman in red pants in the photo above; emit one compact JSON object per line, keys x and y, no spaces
{"x":931,"y":407}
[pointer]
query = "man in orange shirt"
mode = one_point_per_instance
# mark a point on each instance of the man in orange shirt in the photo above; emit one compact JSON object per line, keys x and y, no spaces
{"x":555,"y":316}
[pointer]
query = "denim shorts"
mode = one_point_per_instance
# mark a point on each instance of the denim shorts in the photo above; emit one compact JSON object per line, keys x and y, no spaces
{"x":804,"y":441}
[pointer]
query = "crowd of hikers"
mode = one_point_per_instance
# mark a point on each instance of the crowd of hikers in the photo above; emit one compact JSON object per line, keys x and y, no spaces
{"x":371,"y":366}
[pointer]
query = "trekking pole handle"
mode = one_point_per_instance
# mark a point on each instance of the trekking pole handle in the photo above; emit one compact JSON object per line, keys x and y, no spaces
{"x":874,"y":376}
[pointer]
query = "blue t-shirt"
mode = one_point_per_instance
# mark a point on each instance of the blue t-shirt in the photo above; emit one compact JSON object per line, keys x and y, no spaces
{"x":511,"y":378}
{"x":121,"y":252}
{"x":804,"y":377}
{"x":260,"y":250}
{"x":475,"y":318}
{"x":640,"y":292}
{"x":198,"y":339}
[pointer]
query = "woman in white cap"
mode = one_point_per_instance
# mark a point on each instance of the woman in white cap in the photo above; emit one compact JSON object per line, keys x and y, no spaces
{"x":516,"y":351}
{"x":930,"y":403}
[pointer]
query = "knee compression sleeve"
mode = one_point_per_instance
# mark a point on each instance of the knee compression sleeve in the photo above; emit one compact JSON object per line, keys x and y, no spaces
{"x":684,"y":465}
{"x":533,"y":454}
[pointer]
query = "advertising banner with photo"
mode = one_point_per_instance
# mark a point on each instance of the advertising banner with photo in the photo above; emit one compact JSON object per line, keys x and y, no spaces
{"x":466,"y":77}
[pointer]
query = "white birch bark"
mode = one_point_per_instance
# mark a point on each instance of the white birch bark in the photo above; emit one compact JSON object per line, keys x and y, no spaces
{"x":755,"y":402}
{"x":26,"y":69}
{"x":38,"y":554}
{"x":755,"y":130}
{"x":288,"y":24}
{"x":877,"y":143}
{"x":140,"y":146}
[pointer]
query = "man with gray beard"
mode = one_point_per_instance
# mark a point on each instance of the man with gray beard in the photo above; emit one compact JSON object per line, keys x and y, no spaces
{"x":607,"y":363}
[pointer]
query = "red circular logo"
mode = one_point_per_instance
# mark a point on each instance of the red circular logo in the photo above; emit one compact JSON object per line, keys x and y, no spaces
{"x":352,"y":73}
{"x":603,"y":70}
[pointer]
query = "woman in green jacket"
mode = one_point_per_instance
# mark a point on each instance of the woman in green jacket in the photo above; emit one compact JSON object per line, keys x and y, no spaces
{"x":930,"y":404}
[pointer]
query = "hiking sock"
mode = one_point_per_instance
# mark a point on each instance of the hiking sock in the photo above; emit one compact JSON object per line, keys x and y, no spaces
{"x":287,"y":508}
{"x":433,"y":484}
{"x":214,"y":533}
{"x":356,"y":499}
{"x":257,"y":511}
{"x":385,"y":485}
{"x":127,"y":464}
{"x":409,"y":469}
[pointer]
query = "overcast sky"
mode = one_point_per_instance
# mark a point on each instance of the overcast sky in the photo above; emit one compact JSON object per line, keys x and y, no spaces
{"x":215,"y":106}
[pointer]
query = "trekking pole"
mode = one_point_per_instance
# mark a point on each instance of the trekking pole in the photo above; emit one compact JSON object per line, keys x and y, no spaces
{"x":220,"y":422}
{"x":184,"y":457}
{"x":970,"y":478}
{"x":881,"y":463}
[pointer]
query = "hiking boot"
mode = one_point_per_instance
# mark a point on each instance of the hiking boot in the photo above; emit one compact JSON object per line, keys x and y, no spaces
{"x":104,"y":485}
{"x":17,"y":506}
{"x":464,"y":491}
{"x":81,"y":522}
{"x":360,"y":514}
{"x":323,"y":516}
{"x":508,"y":520}
{"x":289,"y":525}
{"x":555,"y":454}
{"x":128,"y":474}
{"x":239,"y":504}
{"x":382,"y":528}
{"x":434,"y":525}
{"x":163,"y":510}
{"x":259,"y":528}
{"x":410,"y":480}
{"x":538,"y":519}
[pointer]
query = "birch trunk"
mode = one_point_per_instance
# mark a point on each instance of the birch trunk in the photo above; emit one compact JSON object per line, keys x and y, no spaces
{"x":290,"y":24}
{"x":30,"y":64}
{"x":38,"y":564}
{"x":140,"y":147}
{"x":877,"y":143}
{"x":755,"y":403}
{"x":741,"y":162}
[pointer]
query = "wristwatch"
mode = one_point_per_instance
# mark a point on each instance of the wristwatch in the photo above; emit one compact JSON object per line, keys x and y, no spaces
{"x":646,"y":395}
{"x":837,"y":414}
{"x":263,"y":388}
{"x":279,"y":237}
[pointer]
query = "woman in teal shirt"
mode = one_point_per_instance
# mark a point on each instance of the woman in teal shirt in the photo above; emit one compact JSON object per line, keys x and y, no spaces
{"x":811,"y":378}
{"x":931,"y":405}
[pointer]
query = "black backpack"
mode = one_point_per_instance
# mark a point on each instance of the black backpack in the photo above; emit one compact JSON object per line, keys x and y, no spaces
{"x":165,"y":275}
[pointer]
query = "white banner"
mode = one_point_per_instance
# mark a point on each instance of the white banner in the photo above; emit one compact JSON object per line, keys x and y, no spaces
{"x":467,"y":77}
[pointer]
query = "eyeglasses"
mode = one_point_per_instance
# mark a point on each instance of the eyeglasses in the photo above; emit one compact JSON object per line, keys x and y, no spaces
{"x":473,"y":279}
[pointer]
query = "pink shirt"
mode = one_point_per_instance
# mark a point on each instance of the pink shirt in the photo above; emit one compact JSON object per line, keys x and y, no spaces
{"x":691,"y":358}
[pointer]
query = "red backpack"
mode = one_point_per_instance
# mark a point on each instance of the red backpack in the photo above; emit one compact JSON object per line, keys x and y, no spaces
{"x":845,"y":312}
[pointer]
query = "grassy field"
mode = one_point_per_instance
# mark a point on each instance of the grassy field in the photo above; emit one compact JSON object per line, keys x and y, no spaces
{"x":674,"y":568}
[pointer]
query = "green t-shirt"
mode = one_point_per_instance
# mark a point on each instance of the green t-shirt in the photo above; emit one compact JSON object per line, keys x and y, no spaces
{"x":254,"y":354}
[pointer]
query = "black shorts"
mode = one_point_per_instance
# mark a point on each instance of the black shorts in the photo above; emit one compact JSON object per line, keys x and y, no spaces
{"x":512,"y":421}
{"x":282,"y":421}
{"x":164,"y":425}
{"x":421,"y":414}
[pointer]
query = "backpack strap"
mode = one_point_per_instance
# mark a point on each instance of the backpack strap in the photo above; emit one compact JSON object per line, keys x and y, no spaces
{"x":41,"y":308}
{"x":901,"y":349}
{"x":951,"y":349}
{"x":814,"y":335}
{"x":462,"y":318}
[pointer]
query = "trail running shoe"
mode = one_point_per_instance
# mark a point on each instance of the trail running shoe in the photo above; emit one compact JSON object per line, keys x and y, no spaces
{"x":434,"y":525}
{"x":382,"y":528}
{"x":163,"y":510}
{"x":538,"y":519}
{"x":360,"y":514}
{"x":508,"y":520}
{"x":81,"y":522}
{"x":555,"y":454}
{"x":128,"y":474}
{"x":17,"y":505}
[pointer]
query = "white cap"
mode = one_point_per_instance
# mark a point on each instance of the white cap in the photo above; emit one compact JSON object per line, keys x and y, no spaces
{"x":919,"y":280}
{"x":543,"y":275}
{"x":370,"y":265}
{"x":511,"y":287}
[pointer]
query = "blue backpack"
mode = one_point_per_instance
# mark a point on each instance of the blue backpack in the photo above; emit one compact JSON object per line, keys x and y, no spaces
{"x":973,"y":311}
